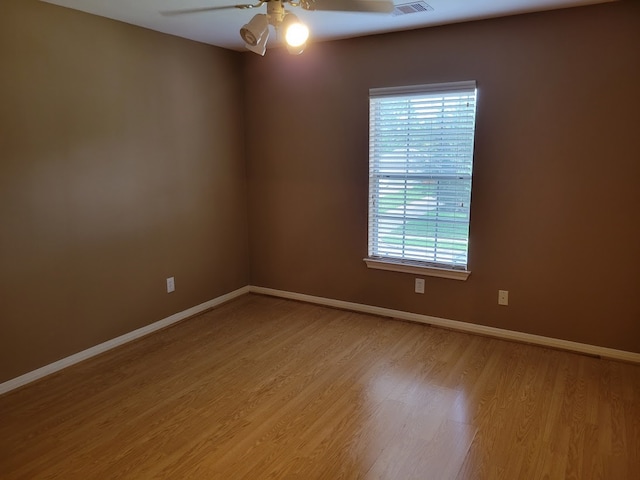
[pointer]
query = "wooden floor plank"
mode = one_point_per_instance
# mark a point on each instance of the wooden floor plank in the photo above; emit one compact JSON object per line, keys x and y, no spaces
{"x":266,"y":388}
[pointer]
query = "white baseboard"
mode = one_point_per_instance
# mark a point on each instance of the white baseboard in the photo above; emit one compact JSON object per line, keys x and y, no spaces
{"x":500,"y":333}
{"x":603,"y":352}
{"x":116,"y":342}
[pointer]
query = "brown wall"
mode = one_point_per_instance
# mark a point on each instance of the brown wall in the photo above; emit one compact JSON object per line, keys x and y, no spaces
{"x":556,"y":196}
{"x":121,"y":163}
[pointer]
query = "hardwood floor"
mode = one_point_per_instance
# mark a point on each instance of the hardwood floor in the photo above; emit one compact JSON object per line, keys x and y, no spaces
{"x":265,"y":388}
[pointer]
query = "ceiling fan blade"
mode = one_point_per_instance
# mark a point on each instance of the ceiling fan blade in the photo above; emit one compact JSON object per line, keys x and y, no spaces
{"x":373,"y":6}
{"x":186,"y":11}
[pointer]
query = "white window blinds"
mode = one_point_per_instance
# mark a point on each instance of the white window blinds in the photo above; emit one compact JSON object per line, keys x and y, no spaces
{"x":420,"y":164}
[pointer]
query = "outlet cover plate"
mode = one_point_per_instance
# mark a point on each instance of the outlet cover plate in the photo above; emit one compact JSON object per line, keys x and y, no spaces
{"x":503,"y":297}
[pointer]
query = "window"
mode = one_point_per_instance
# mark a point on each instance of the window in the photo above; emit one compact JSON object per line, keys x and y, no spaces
{"x":420,"y":165}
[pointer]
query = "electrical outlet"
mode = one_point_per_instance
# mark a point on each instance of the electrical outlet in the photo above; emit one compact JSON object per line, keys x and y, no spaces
{"x":171,"y":284}
{"x":503,"y":297}
{"x":419,"y":286}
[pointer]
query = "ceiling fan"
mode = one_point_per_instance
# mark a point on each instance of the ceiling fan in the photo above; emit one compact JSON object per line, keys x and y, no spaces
{"x":256,"y":33}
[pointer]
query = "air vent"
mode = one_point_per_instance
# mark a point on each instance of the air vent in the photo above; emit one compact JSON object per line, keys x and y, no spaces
{"x":411,"y":7}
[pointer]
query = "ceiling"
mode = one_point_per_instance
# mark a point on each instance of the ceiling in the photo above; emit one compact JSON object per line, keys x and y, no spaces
{"x":221,"y":27}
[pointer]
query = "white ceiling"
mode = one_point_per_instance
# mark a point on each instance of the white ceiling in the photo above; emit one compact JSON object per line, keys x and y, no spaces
{"x":221,"y":27}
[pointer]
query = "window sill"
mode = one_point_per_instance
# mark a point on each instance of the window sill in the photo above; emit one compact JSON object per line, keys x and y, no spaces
{"x":396,"y":266}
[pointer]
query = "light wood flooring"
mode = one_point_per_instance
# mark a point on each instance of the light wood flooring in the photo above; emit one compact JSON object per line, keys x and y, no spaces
{"x":265,"y":388}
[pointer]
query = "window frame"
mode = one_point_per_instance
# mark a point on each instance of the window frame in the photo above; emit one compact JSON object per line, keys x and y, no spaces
{"x":406,"y":265}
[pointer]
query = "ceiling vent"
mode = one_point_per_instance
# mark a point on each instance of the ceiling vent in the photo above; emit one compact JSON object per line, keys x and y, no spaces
{"x":411,"y":7}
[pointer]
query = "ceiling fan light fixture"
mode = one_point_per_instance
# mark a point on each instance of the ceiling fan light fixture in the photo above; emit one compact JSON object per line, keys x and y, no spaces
{"x":296,"y":33}
{"x":253,"y":32}
{"x":286,"y":24}
{"x":296,"y":50}
{"x":261,"y":47}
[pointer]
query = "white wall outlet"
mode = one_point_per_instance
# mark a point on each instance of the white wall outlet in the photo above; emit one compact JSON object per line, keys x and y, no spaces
{"x":503,"y":297}
{"x":419,"y":288}
{"x":171,"y":284}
